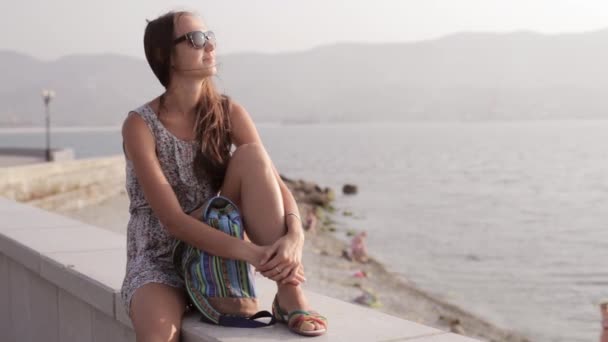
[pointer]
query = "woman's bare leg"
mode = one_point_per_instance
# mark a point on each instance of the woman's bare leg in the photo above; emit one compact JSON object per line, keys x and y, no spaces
{"x":156,"y":312}
{"x":250,"y":183}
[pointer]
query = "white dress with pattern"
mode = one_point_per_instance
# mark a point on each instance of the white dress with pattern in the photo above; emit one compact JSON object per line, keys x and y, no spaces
{"x":148,"y":242}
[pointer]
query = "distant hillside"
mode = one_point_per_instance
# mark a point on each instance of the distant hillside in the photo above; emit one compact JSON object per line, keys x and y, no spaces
{"x":467,"y":76}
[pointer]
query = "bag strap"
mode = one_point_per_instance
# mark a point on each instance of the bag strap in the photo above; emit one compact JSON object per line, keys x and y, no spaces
{"x":243,"y":322}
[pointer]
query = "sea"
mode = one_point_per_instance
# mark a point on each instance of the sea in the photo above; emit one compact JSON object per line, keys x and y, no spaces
{"x":508,"y":220}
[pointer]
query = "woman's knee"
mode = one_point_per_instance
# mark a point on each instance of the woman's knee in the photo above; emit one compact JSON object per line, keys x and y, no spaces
{"x":156,"y":312}
{"x":245,"y":158}
{"x":250,"y":154}
{"x":157,"y":336}
{"x":157,"y":326}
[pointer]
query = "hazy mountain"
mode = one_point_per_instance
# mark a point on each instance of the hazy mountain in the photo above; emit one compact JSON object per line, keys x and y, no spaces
{"x":467,"y":76}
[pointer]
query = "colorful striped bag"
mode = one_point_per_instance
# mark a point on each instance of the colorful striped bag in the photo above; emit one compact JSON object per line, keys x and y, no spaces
{"x":221,"y":289}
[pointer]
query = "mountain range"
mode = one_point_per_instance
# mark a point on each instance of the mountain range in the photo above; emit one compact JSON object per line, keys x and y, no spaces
{"x":460,"y":77}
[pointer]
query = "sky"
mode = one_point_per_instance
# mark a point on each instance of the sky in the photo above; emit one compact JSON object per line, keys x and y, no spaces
{"x":51,"y":29}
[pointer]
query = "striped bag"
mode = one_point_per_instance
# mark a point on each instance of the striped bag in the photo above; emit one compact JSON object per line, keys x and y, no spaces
{"x":221,"y":289}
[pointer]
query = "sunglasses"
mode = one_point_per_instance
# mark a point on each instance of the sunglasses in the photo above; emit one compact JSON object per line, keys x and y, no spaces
{"x":198,"y":39}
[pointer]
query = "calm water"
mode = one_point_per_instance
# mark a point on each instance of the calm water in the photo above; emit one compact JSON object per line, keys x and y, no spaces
{"x":506,"y":219}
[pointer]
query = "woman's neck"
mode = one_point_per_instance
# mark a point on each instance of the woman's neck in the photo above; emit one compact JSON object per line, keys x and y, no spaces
{"x":183,"y":97}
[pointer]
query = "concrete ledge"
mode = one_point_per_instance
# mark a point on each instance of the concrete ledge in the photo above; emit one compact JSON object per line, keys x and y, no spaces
{"x":62,"y":185}
{"x":57,"y":154}
{"x":11,"y":156}
{"x":60,"y":281}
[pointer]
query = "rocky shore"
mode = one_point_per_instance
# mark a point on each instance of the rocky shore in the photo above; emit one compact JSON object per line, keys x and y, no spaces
{"x":332,"y":271}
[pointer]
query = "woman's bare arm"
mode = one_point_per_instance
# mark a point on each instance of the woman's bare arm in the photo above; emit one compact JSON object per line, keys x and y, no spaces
{"x":140,"y":149}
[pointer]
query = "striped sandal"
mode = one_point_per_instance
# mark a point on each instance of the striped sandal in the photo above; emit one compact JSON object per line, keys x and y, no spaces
{"x":295,"y":319}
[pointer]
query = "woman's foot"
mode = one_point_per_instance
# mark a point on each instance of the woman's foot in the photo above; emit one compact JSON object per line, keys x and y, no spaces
{"x":291,"y":304}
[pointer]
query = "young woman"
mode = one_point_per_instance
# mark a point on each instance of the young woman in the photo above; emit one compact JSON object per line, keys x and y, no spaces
{"x":179,"y":153}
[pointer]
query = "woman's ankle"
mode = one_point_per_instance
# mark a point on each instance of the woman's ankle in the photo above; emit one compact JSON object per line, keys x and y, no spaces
{"x":288,"y":287}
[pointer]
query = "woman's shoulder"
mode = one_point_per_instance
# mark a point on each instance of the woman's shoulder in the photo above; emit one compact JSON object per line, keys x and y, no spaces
{"x":243,"y":128}
{"x":135,"y":122}
{"x":151,"y":105}
{"x":137,"y":134}
{"x":144,"y":112}
{"x":139,"y":120}
{"x":234,"y":109}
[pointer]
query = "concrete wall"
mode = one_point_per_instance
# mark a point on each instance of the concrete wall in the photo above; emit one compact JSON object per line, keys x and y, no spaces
{"x":60,"y":281}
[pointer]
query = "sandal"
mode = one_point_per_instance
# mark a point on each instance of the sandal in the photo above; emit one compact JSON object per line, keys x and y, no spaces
{"x":295,"y":319}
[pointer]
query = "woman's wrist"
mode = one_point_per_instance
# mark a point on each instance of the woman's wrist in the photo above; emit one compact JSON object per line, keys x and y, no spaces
{"x":294,"y":229}
{"x":249,"y":252}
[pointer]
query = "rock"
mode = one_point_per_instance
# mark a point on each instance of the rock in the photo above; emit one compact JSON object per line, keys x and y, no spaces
{"x":473,"y":257}
{"x":310,"y":188}
{"x":457,"y":328}
{"x":454,"y":324}
{"x":309,"y":192}
{"x":349,"y":189}
{"x":330,"y":208}
{"x":331,"y":195}
{"x":317,"y":199}
{"x":329,"y":220}
{"x":368,"y":298}
{"x":310,"y":224}
{"x":346,"y":255}
{"x":286,"y":180}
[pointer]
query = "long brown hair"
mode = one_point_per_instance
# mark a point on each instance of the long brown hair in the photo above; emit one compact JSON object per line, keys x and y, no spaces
{"x":212,"y":125}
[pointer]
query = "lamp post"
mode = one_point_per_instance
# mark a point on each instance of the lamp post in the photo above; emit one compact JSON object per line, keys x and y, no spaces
{"x":604,"y":331}
{"x":47,"y":96}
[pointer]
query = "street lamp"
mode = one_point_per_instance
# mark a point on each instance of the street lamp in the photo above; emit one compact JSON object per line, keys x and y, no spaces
{"x":47,"y":96}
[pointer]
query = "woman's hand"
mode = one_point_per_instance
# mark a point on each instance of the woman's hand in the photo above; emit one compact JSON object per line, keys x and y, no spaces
{"x":256,"y":254}
{"x":296,"y":277}
{"x":282,"y":261}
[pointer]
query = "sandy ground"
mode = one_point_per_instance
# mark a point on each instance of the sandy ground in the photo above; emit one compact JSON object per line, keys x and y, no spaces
{"x":329,"y":273}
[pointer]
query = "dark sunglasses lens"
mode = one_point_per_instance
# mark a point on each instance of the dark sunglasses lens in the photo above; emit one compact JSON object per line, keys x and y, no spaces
{"x":211,"y":37}
{"x":198,"y":39}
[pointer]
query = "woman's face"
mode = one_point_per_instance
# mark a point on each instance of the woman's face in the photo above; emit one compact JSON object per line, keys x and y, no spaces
{"x":187,"y":59}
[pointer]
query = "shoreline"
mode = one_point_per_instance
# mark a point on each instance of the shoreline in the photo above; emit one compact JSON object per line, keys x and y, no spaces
{"x":330,"y":273}
{"x":396,"y":295}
